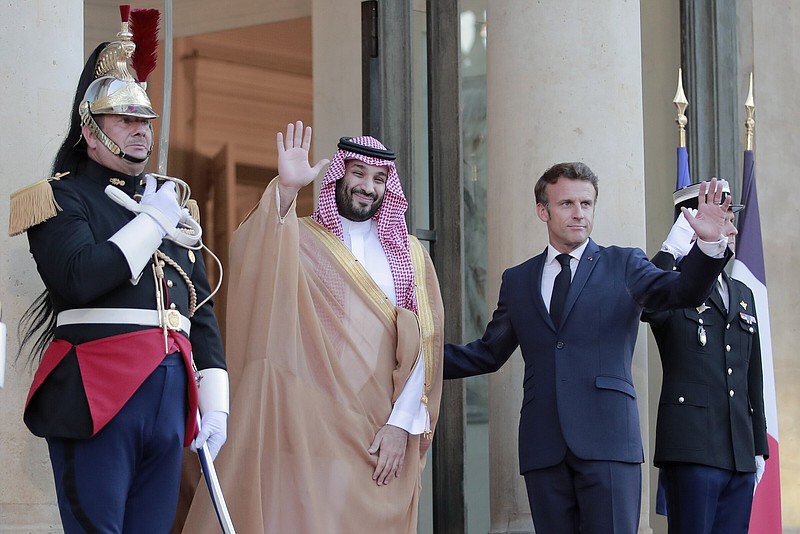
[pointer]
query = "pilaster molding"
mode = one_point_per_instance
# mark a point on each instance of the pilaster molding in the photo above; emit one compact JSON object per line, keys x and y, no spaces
{"x":709,"y":58}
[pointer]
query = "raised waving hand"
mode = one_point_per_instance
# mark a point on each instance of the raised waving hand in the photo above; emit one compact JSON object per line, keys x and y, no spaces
{"x":709,"y":221}
{"x":294,"y":170}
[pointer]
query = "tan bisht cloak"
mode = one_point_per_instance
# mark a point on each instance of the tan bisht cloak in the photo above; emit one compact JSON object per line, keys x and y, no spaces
{"x":317,"y":356}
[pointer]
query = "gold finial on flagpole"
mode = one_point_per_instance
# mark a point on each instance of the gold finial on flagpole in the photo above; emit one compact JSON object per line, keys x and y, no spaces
{"x":681,"y":103}
{"x":750,"y":122}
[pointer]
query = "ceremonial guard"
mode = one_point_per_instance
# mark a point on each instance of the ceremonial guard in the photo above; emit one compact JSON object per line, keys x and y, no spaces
{"x":711,"y":432}
{"x":126,"y":318}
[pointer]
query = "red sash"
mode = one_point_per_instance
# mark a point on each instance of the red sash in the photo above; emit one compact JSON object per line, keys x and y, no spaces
{"x":113,"y":368}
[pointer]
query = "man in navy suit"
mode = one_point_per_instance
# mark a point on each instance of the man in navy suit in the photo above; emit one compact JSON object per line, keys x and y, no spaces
{"x":580,"y":447}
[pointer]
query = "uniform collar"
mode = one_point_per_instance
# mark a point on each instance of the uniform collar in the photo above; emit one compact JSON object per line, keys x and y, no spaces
{"x":104,"y":176}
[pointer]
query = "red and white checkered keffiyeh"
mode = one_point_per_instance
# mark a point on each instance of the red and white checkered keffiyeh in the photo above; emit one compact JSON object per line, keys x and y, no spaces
{"x":390,"y":217}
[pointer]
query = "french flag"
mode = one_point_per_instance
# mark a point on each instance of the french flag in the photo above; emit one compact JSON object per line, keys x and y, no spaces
{"x":748,"y":266}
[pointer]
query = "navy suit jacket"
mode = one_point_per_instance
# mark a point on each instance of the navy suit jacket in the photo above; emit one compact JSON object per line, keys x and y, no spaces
{"x":578,"y":388}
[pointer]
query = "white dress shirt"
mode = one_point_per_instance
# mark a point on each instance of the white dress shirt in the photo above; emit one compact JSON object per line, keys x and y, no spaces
{"x":722,"y":289}
{"x":552,"y":268}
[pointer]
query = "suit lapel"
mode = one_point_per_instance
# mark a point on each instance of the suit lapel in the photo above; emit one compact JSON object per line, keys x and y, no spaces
{"x":716,"y":300}
{"x":586,"y":265}
{"x":537,"y":269}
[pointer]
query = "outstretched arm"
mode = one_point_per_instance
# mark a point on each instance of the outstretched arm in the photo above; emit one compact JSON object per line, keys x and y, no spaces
{"x":294,"y":170}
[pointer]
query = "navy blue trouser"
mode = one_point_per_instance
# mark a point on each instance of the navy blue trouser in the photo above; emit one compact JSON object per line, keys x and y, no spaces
{"x":126,"y":478}
{"x":585,"y":496}
{"x":707,"y":500}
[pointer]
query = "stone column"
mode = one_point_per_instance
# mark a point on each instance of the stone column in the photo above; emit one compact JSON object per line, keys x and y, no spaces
{"x":41,"y":60}
{"x":564,"y":84}
{"x":336,"y":73}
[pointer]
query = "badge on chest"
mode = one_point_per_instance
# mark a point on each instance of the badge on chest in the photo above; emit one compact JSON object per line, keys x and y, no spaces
{"x":702,"y":338}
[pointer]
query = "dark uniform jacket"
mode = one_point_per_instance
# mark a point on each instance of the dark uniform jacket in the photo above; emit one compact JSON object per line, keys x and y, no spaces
{"x":82,"y":269}
{"x":711,"y":410}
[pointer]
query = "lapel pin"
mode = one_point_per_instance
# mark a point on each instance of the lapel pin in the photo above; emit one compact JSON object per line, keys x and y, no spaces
{"x":702,"y":308}
{"x":743,"y":304}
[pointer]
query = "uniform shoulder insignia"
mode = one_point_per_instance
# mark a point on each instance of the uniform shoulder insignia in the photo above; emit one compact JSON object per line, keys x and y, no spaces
{"x":194,"y":209}
{"x":32,"y":205}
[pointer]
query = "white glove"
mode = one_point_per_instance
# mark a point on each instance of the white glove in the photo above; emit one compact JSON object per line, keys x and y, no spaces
{"x":214,"y":404}
{"x":214,"y":430}
{"x":680,"y":237}
{"x":165,"y":201}
{"x":761,"y":466}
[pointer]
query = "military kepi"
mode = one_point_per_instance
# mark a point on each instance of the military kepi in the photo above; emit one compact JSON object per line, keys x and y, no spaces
{"x":686,"y":197}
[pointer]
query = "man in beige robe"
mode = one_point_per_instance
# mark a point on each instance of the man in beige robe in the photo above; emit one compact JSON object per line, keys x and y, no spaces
{"x":335,"y":344}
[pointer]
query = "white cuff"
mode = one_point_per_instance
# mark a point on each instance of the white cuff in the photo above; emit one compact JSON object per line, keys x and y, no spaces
{"x":666,"y":247}
{"x":408,"y":412}
{"x":137,"y":241}
{"x":714,"y":249}
{"x":212,"y":391}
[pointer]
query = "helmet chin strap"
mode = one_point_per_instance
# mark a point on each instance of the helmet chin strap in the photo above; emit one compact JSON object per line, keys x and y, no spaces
{"x":111,"y":145}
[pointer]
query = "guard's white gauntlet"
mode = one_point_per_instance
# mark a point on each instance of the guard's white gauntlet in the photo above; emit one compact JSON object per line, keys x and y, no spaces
{"x":761,"y":466}
{"x":213,"y":397}
{"x":680,"y":238}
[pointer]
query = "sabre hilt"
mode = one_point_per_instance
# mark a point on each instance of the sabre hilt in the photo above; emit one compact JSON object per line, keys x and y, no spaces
{"x":182,"y":189}
{"x":189,"y":236}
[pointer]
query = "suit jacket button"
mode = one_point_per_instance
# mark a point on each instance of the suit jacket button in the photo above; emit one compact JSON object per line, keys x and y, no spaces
{"x":681,"y":399}
{"x":730,"y":393}
{"x":560,"y":345}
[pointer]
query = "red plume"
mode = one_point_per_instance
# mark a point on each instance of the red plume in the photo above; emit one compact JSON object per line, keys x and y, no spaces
{"x":144,"y":27}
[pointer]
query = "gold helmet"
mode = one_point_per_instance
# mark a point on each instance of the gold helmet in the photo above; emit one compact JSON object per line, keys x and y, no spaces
{"x":115,"y":91}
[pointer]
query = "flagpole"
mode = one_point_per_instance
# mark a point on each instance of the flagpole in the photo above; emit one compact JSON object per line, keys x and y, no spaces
{"x":681,"y":103}
{"x":749,"y":123}
{"x":683,"y":176}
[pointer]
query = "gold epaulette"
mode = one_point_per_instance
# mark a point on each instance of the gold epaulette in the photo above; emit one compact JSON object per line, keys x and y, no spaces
{"x":32,"y":205}
{"x":194,"y":209}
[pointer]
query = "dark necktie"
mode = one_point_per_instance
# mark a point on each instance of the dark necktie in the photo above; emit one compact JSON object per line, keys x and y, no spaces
{"x":721,"y":294}
{"x":560,"y":289}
